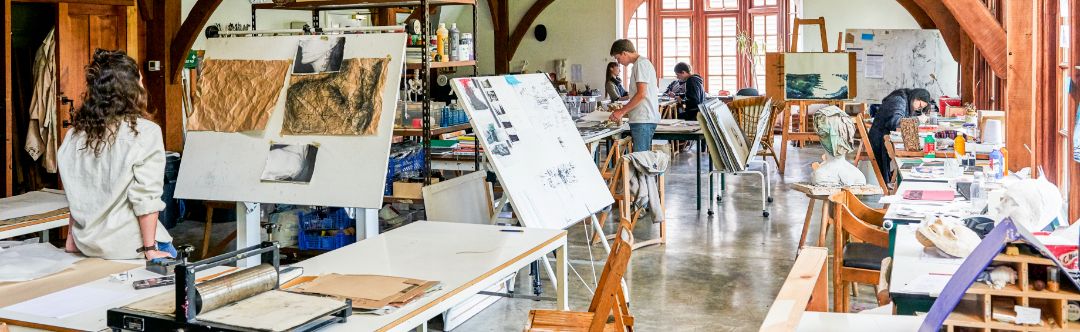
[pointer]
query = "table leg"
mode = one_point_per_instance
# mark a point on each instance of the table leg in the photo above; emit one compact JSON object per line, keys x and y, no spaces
{"x":825,"y":221}
{"x":699,"y":177}
{"x":562,"y":296}
{"x":806,"y":224}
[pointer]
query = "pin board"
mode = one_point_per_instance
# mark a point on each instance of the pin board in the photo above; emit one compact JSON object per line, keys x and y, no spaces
{"x":890,"y":59}
{"x":326,"y":135}
{"x":535,"y":149}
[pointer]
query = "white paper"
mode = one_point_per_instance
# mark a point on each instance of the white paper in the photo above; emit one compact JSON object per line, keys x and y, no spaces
{"x":931,"y":284}
{"x":875,"y":66}
{"x":31,"y":203}
{"x":70,"y":302}
{"x":1028,"y":315}
{"x":32,"y":261}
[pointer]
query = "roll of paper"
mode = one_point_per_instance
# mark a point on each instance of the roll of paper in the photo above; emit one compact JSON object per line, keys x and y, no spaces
{"x":992,"y":133}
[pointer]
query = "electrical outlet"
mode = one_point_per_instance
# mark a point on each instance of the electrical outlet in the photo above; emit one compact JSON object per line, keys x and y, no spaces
{"x":153,"y":65}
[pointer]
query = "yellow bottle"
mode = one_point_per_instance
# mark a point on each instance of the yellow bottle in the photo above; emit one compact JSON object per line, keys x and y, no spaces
{"x":960,"y":145}
{"x":1005,"y":161}
{"x":440,"y":41}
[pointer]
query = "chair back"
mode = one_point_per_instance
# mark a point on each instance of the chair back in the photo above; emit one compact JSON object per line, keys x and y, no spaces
{"x":848,"y":225}
{"x":609,"y":300}
{"x":865,"y":213}
{"x":751,"y":114}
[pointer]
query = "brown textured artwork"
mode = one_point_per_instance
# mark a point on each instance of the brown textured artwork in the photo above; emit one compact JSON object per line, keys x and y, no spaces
{"x":347,"y":102}
{"x":237,"y":95}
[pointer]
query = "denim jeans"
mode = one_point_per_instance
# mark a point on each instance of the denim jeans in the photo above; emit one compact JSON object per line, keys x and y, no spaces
{"x":166,"y":247}
{"x":642,"y":134}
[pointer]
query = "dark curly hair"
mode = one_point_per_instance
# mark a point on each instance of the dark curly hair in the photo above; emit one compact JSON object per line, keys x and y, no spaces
{"x":113,"y":95}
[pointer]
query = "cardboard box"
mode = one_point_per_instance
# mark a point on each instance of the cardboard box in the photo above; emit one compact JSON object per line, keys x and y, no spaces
{"x":410,"y":190}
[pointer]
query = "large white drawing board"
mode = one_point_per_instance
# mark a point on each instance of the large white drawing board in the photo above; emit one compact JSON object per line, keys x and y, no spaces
{"x":535,"y":149}
{"x":350,"y":171}
{"x":907,"y":58}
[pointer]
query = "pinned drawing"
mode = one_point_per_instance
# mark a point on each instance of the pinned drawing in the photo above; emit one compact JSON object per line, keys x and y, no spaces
{"x":476,"y":100}
{"x":293,"y":163}
{"x":237,"y":95}
{"x":348,"y":102}
{"x":560,"y":176}
{"x":817,"y":76}
{"x":319,"y":55}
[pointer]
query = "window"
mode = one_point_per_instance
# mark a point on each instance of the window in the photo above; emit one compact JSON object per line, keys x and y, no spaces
{"x":706,"y":34}
{"x":676,"y":48}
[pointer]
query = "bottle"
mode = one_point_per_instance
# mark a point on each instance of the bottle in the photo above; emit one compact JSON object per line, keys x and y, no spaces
{"x":929,"y":145}
{"x":1004,"y":161}
{"x":440,"y":42}
{"x":996,"y":163}
{"x":978,"y":193}
{"x":467,"y":47}
{"x":454,"y":40}
{"x":960,"y":145}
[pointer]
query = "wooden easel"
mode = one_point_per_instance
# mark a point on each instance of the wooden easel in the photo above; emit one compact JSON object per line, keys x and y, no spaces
{"x":820,"y":22}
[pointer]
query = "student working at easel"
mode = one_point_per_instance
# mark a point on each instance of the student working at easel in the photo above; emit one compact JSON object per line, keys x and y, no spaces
{"x":112,"y":164}
{"x":644,"y":104}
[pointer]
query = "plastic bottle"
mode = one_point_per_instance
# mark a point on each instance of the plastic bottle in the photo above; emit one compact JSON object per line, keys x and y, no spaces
{"x":929,"y":145}
{"x":1004,"y":161}
{"x":440,"y":42}
{"x":996,"y":163}
{"x":978,"y":193}
{"x":960,"y":145}
{"x":455,"y":39}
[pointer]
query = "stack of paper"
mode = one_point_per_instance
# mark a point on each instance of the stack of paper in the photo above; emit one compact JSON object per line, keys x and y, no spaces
{"x":369,"y":293}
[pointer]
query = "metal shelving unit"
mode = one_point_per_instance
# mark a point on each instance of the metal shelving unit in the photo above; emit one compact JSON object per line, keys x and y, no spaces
{"x":426,"y":64}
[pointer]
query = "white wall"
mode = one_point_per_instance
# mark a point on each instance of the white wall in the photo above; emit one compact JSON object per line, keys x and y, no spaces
{"x":239,"y":11}
{"x":580,"y":31}
{"x":841,"y":15}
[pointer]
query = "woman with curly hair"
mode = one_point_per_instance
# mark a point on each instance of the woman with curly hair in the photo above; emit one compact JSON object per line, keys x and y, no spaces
{"x":112,"y":164}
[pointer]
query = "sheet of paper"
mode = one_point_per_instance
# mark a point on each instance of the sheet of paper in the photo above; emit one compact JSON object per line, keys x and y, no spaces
{"x":71,"y":301}
{"x":1028,"y":315}
{"x":875,"y":66}
{"x":32,"y":203}
{"x":931,"y":284}
{"x":930,"y":255}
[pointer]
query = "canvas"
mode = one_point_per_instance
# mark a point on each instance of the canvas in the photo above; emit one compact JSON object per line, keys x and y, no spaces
{"x":535,"y":149}
{"x":346,"y":102}
{"x":817,"y":76}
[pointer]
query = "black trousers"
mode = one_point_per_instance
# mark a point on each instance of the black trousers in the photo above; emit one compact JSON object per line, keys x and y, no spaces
{"x":877,"y":143}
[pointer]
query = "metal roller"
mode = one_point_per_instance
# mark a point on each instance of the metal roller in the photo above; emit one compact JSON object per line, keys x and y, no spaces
{"x":234,"y":287}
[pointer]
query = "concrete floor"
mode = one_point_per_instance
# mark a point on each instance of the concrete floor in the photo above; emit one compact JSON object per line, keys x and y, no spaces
{"x":716,"y":273}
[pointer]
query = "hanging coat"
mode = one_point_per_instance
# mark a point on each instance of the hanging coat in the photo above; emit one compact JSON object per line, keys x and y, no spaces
{"x":42,"y":135}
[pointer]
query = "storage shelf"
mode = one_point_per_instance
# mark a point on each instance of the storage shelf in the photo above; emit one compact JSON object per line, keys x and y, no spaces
{"x":358,"y":4}
{"x":416,"y":132}
{"x":442,"y":64}
{"x":1014,"y":291}
{"x":392,"y":199}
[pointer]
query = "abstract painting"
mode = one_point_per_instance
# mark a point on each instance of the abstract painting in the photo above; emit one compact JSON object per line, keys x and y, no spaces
{"x":293,"y":163}
{"x":347,"y":102}
{"x":319,"y":55}
{"x":817,"y":76}
{"x":237,"y":95}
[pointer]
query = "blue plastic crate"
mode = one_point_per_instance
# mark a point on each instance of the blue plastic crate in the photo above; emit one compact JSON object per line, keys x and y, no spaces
{"x":398,"y":164}
{"x":314,"y":223}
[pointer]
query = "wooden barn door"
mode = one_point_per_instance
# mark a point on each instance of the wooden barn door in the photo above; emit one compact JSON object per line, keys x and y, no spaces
{"x":83,"y":28}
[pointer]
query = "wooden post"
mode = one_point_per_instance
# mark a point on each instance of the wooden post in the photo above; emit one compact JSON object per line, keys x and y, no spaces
{"x":985,"y":32}
{"x":8,"y":127}
{"x":1021,"y":94}
{"x":967,"y":69}
{"x":164,"y":99}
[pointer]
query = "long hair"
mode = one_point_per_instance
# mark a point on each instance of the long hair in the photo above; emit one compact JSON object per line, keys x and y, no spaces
{"x":608,"y":76}
{"x":113,"y":95}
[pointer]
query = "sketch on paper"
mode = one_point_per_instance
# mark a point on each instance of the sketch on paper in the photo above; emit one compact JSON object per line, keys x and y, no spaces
{"x":816,"y":75}
{"x":319,"y":55}
{"x":477,"y":102}
{"x":348,"y":102}
{"x":560,"y":176}
{"x":293,"y":163}
{"x":236,"y":95}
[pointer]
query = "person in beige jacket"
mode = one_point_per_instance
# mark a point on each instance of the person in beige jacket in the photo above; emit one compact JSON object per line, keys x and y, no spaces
{"x":112,"y":164}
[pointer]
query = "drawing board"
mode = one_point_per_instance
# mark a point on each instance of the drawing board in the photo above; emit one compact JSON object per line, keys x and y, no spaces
{"x":890,"y":59}
{"x":819,"y":76}
{"x":534,"y":148}
{"x":349,"y":170}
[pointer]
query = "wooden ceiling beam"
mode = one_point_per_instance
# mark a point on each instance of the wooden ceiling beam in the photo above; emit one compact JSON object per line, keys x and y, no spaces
{"x":917,"y":13}
{"x":985,"y":31}
{"x":945,"y":23}
{"x":526,"y":22}
{"x":189,"y":31}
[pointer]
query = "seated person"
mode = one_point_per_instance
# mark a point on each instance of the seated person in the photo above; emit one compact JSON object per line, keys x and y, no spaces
{"x":613,"y":84}
{"x":112,"y":164}
{"x":693,"y":91}
{"x":897,"y":105}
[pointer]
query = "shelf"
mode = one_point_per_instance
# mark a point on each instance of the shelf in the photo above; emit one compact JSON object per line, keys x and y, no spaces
{"x":392,"y":199}
{"x":968,"y":314}
{"x":357,"y":4}
{"x":1014,"y":291}
{"x":416,"y":132}
{"x":442,"y":64}
{"x":1023,"y":259}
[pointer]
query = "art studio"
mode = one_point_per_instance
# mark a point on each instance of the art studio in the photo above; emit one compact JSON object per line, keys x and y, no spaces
{"x":514,"y":165}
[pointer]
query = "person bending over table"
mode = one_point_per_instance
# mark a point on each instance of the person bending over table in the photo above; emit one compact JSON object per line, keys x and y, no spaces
{"x":694,"y":91}
{"x":644,"y":104}
{"x":897,"y":105}
{"x":613,"y":84}
{"x":112,"y":164}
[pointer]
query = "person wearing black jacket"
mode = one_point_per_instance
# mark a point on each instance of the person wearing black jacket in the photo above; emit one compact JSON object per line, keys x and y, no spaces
{"x":899,"y":104}
{"x":694,"y":91}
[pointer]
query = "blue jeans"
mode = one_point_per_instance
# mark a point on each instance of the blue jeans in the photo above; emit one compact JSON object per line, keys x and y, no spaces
{"x":166,"y":247}
{"x":641,"y":134}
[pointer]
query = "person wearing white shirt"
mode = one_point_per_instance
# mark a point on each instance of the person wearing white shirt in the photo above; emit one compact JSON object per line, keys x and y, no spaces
{"x":112,"y":164}
{"x":644,"y":105}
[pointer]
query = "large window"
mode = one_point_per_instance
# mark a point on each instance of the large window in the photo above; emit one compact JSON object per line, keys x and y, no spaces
{"x":723,"y":40}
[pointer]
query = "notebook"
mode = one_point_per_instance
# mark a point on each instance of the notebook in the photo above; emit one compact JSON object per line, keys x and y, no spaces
{"x":929,"y":195}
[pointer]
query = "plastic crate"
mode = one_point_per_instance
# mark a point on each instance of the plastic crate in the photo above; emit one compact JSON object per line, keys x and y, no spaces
{"x":412,"y":161}
{"x":313,"y":223}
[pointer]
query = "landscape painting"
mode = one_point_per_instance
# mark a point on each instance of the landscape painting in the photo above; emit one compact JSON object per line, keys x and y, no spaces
{"x":817,"y":76}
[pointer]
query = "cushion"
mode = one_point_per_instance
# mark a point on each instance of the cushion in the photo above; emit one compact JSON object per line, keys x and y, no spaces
{"x":864,"y":256}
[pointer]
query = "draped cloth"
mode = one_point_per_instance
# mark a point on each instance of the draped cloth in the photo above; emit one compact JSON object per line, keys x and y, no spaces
{"x":42,"y":135}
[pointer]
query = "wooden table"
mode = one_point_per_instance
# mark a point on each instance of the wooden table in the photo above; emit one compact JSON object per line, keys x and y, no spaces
{"x":36,"y":211}
{"x":822,"y":193}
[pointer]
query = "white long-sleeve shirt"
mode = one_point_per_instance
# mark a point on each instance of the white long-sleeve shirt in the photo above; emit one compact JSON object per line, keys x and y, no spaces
{"x":108,"y":192}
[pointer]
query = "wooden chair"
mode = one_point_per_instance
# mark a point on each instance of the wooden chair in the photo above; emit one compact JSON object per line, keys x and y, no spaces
{"x":860,"y":210}
{"x":747,"y":113}
{"x":626,"y":206}
{"x":860,"y":127}
{"x":221,"y":246}
{"x":611,"y":170}
{"x":608,"y":302}
{"x":855,"y":262}
{"x":894,"y":177}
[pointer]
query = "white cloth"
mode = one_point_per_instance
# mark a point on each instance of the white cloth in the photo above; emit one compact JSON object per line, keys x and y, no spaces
{"x":645,"y":170}
{"x":41,"y":136}
{"x":648,"y":111}
{"x":106,"y":193}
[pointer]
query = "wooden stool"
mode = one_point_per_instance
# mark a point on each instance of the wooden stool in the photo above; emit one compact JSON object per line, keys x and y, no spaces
{"x":822,"y":193}
{"x":207,"y":229}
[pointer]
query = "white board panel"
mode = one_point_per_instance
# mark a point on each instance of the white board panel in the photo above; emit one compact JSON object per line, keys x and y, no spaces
{"x":464,"y":199}
{"x":350,"y":171}
{"x":535,"y":149}
{"x":910,"y":58}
